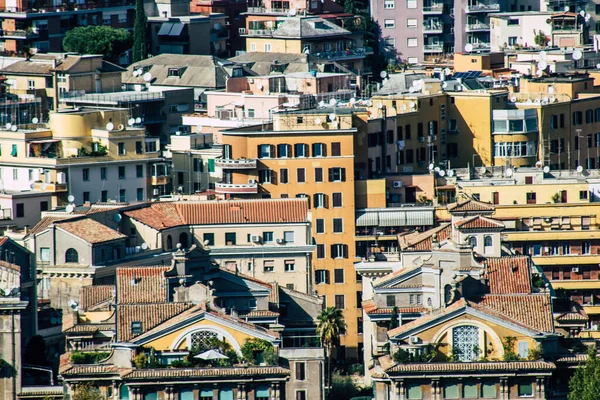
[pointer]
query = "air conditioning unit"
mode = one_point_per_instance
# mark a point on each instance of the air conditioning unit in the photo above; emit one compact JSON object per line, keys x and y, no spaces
{"x":255,"y":239}
{"x":421,"y":139}
{"x":575,"y":269}
{"x":397,"y":184}
{"x":242,"y":30}
{"x":251,"y":181}
{"x":61,"y":178}
{"x":413,"y":339}
{"x":155,"y":191}
{"x":279,"y":241}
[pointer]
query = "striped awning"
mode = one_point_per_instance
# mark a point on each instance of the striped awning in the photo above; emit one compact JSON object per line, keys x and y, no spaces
{"x":390,"y":217}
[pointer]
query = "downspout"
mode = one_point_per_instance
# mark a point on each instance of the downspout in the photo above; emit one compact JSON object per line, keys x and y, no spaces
{"x":14,"y":358}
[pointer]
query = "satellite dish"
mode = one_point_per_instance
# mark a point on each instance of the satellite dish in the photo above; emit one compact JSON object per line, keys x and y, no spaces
{"x":542,"y":65}
{"x":259,"y":86}
{"x":546,"y":169}
{"x":437,"y":169}
{"x":14,"y":128}
{"x":577,"y":54}
{"x":131,"y":121}
{"x":110,"y":126}
{"x":566,"y":8}
{"x":482,"y":170}
{"x":321,"y":104}
{"x":8,"y":126}
{"x":582,"y":13}
{"x":450,"y":173}
{"x":332,"y":102}
{"x":444,"y":84}
{"x":335,"y":124}
{"x":138,"y":120}
{"x":383,"y":74}
{"x":117,"y":217}
{"x":544,"y":102}
{"x":543,"y":55}
{"x":380,"y":105}
{"x":447,"y":71}
{"x":144,"y":246}
{"x":579,"y":169}
{"x":32,"y":185}
{"x":431,"y":166}
{"x":539,"y":164}
{"x":43,"y":186}
{"x":549,"y":44}
{"x":539,"y":72}
{"x":588,"y":16}
{"x":402,"y":107}
{"x":147,"y":77}
{"x":35,"y":120}
{"x":71,"y":198}
{"x":317,"y":121}
{"x":352,"y":101}
{"x":545,"y":99}
{"x":442,"y":173}
{"x":513,"y":99}
{"x":537,"y":100}
{"x":70,"y":208}
{"x":508,"y":172}
{"x":412,"y":105}
{"x":332,"y":116}
{"x":468,"y":47}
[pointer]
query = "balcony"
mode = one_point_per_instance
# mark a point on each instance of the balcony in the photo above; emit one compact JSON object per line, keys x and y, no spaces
{"x":480,"y":46}
{"x":159,"y":180}
{"x":482,"y":8}
{"x":272,"y":11}
{"x":433,"y":48}
{"x":51,"y":187}
{"x":227,"y":163}
{"x":18,"y":34}
{"x":236,"y":188}
{"x":346,"y":54}
{"x":479,"y":27}
{"x":65,"y":7}
{"x":260,"y":32}
{"x":433,"y":27}
{"x":433,"y":9}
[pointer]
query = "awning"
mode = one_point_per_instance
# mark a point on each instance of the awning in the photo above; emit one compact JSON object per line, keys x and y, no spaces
{"x":367,"y":218}
{"x":176,"y":30}
{"x":392,"y":218}
{"x":45,"y":141}
{"x":165,"y":28}
{"x":420,"y":217}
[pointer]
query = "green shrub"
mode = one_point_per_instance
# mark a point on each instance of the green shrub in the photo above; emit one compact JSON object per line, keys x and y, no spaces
{"x":256,"y":351}
{"x":80,"y":357}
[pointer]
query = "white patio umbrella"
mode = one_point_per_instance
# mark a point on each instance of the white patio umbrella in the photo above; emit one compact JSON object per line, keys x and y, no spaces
{"x":211,"y":355}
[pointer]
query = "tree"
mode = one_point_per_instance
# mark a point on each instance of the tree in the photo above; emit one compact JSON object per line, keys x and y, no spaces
{"x":87,"y":391}
{"x":394,"y":323}
{"x":92,"y":39}
{"x":585,"y":383}
{"x":140,"y":47}
{"x":330,"y":325}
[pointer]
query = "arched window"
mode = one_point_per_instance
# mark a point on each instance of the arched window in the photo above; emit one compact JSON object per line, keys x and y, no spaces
{"x":71,"y":256}
{"x":183,"y":239}
{"x":448,"y":294}
{"x":465,"y":342}
{"x":202,"y":340}
{"x":487,"y":241}
{"x":488,"y":246}
{"x":124,"y":393}
{"x":473,"y":241}
{"x":169,"y":242}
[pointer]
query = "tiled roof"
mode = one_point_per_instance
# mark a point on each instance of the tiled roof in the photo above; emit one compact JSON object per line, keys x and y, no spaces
{"x":241,"y":322}
{"x":165,"y":373}
{"x":150,"y":315}
{"x":170,"y":214}
{"x":573,"y":317}
{"x":424,"y":241}
{"x":410,"y":286}
{"x":94,"y":295}
{"x":426,"y":318}
{"x":10,"y":266}
{"x":89,"y":328}
{"x":91,"y":231}
{"x":3,"y":240}
{"x":45,"y":222}
{"x":74,"y":369}
{"x":401,"y":310}
{"x":471,"y":367}
{"x":479,"y":222}
{"x":571,"y":358}
{"x":470,"y":206}
{"x":274,"y":294}
{"x":141,"y":285}
{"x":533,"y":311}
{"x":260,"y":313}
{"x":509,"y":274}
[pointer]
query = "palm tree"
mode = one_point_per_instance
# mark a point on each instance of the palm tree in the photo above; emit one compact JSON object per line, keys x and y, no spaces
{"x":330,"y":326}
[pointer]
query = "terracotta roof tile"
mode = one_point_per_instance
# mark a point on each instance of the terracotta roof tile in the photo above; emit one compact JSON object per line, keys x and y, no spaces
{"x":401,"y":310}
{"x":573,"y":317}
{"x":91,"y":231}
{"x":150,"y":315}
{"x":426,"y":318}
{"x":571,"y":358}
{"x":274,"y":294}
{"x":10,"y":266}
{"x":260,"y":313}
{"x":45,"y":222}
{"x":3,"y":240}
{"x":165,"y":373}
{"x":141,"y":285}
{"x":89,"y":328}
{"x":470,"y":206}
{"x":424,"y":241}
{"x":94,"y":295}
{"x":410,"y":286}
{"x":533,"y":311}
{"x":508,"y":274}
{"x":73,"y":369}
{"x":170,"y":214}
{"x":479,"y":222}
{"x":471,"y":367}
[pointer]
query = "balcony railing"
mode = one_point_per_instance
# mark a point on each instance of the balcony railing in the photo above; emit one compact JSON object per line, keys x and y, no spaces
{"x":88,"y":5}
{"x":433,"y":9}
{"x":482,"y":7}
{"x":261,"y":32}
{"x":433,"y":27}
{"x":18,"y":33}
{"x":481,"y":46}
{"x":273,"y":10}
{"x":351,"y":53}
{"x":236,"y":188}
{"x":434,"y":48}
{"x":478,"y":27}
{"x":236,"y":164}
{"x":159,"y":180}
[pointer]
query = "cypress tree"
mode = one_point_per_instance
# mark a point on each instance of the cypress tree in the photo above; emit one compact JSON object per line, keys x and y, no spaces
{"x":139,"y":32}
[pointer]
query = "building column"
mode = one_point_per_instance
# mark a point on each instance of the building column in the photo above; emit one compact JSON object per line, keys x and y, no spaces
{"x":272,"y":391}
{"x":116,"y":388}
{"x":504,"y":389}
{"x":241,"y":394}
{"x":277,"y":391}
{"x":540,"y":387}
{"x":170,"y":392}
{"x":435,"y":389}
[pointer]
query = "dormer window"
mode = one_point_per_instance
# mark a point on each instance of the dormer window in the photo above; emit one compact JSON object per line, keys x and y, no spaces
{"x":175,"y":72}
{"x":237,"y":73}
{"x":136,"y":327}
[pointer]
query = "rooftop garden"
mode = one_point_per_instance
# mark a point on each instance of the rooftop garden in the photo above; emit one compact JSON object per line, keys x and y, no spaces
{"x":81,"y":357}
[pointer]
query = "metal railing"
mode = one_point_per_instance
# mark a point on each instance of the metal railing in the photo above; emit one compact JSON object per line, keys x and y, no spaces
{"x":434,"y":8}
{"x":434,"y":47}
{"x":433,"y":26}
{"x":483,"y":7}
{"x":478,"y":27}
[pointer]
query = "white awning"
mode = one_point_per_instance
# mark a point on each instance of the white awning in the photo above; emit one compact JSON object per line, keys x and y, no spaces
{"x":395,"y":217}
{"x":392,"y":218}
{"x":367,"y":218}
{"x":419,"y":217}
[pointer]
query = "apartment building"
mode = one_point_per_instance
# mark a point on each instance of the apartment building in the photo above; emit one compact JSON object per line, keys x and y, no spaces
{"x":266,"y":239}
{"x":314,"y":150}
{"x":41,"y":25}
{"x":233,"y":10}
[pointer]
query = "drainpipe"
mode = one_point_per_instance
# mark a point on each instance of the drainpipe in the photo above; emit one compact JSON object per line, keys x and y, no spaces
{"x":55,"y":84}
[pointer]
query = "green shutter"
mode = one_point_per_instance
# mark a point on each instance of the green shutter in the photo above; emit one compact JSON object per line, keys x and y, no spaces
{"x":187,"y":394}
{"x":525,"y":389}
{"x":124,"y":393}
{"x":451,"y":391}
{"x":14,"y":150}
{"x":225,"y":394}
{"x":489,"y":390}
{"x":470,"y":391}
{"x":414,"y":391}
{"x":211,"y":165}
{"x":262,"y":391}
{"x":151,"y":396}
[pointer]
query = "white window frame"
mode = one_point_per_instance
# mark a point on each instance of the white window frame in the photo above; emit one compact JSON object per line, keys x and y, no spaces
{"x":410,"y":24}
{"x":389,"y":4}
{"x":389,"y":23}
{"x":268,"y":48}
{"x":412,"y":42}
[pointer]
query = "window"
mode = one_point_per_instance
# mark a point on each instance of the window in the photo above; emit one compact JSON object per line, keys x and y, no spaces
{"x":525,"y":389}
{"x":487,"y":244}
{"x":251,"y":113}
{"x":465,"y":339}
{"x":413,"y":391}
{"x":252,"y":48}
{"x":288,"y":236}
{"x":283,"y":150}
{"x":320,"y":276}
{"x":389,"y":42}
{"x":340,"y":301}
{"x":585,"y":223}
{"x":300,"y":150}
{"x":43,"y":206}
{"x":301,"y":395}
{"x":470,"y":391}
{"x":14,"y":152}
{"x":267,"y":237}
{"x":339,"y":250}
{"x":121,"y":149}
{"x":566,"y":248}
{"x":338,"y":275}
{"x":586,"y":248}
{"x":45,"y":254}
{"x":411,"y":23}
{"x":283,"y":175}
{"x":337,"y":174}
{"x":104,"y":196}
{"x":266,"y":151}
{"x":300,"y":371}
{"x":71,"y":256}
{"x":415,"y":299}
{"x":139,"y":194}
{"x":209,"y":238}
{"x":30,"y":84}
{"x":301,"y":175}
{"x":320,"y":225}
{"x":411,"y":3}
{"x":488,"y":390}
{"x":264,"y":175}
{"x":412,"y":42}
{"x":86,"y":174}
{"x":320,"y":200}
{"x":122,"y":172}
{"x":336,"y":149}
{"x":531,"y":198}
{"x":389,"y":23}
{"x":20,"y":210}
{"x":229,"y":239}
{"x":139,"y":148}
{"x":267,"y":47}
{"x":268,"y":266}
{"x":103,"y":173}
{"x":390,"y":300}
{"x":289,"y":265}
{"x":583,"y":195}
{"x":319,"y":150}
{"x":338,"y":225}
{"x":318,"y":174}
{"x":389,"y":4}
{"x":451,"y":390}
{"x":122,"y":195}
{"x":336,"y":200}
{"x":136,"y":327}
{"x":139,"y":171}
{"x":86,"y":197}
{"x":523,"y":349}
{"x":320,"y":251}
